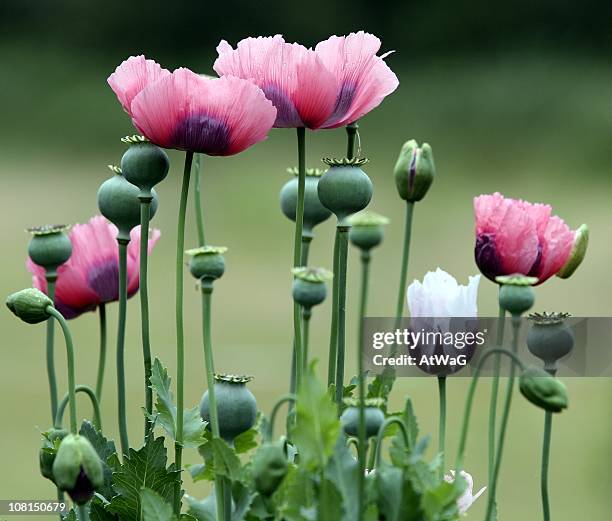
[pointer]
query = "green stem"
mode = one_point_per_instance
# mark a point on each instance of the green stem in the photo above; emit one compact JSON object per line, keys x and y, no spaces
{"x":442,"y":422}
{"x":372,"y":455}
{"x":494,"y":395}
{"x":306,"y":314}
{"x":351,"y":131}
{"x":123,"y":434}
{"x":102,"y":354}
{"x":70,"y":358}
{"x":198,"y":199}
{"x":285,"y":398}
{"x":51,"y":278}
{"x":548,"y":416}
{"x":145,"y":213}
{"x":97,"y":417}
{"x":342,"y":268}
{"x":83,"y":513}
{"x":333,"y":336}
{"x":180,"y":333}
{"x":401,"y":296}
{"x":381,"y":434}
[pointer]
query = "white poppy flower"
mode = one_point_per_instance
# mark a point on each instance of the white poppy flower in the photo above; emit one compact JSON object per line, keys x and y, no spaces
{"x":468,"y":497}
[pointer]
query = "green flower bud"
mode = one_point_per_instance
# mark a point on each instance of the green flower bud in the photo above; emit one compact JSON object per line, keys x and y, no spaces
{"x":309,"y":285}
{"x":367,"y":229}
{"x":144,"y":164}
{"x":269,"y":467}
{"x":543,"y":390}
{"x":47,"y":453}
{"x":207,"y":262}
{"x":345,"y":188}
{"x":50,"y":246}
{"x":374,"y":417}
{"x":30,"y":305}
{"x":516,"y":294}
{"x":236,"y":405}
{"x":576,"y":256}
{"x":550,"y":338}
{"x":414,"y":171}
{"x":77,"y":468}
{"x":118,"y":202}
{"x":314,"y":212}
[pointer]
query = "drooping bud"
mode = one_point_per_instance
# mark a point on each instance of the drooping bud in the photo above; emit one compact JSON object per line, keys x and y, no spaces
{"x":269,"y":467}
{"x":550,"y":338}
{"x":414,"y":171}
{"x":309,"y":287}
{"x":367,"y":229}
{"x":77,"y":468}
{"x":49,"y":247}
{"x":543,"y":390}
{"x":374,"y":417}
{"x":207,"y":262}
{"x":144,"y":164}
{"x":576,"y":256}
{"x":516,"y":294}
{"x":30,"y":305}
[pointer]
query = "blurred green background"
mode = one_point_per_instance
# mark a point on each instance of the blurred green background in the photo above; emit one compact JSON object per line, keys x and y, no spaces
{"x":513,"y":97}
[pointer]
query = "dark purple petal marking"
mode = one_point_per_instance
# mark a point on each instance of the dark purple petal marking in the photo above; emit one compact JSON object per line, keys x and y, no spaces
{"x":535,"y":267}
{"x":83,"y":489}
{"x":487,"y":259}
{"x":286,"y":114}
{"x":343,"y":103}
{"x":69,"y":312}
{"x":202,"y":133}
{"x":104,"y":280}
{"x":412,"y":169}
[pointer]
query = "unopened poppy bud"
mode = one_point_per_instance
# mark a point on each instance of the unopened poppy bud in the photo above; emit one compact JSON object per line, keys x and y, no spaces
{"x":77,"y":468}
{"x":269,"y":467}
{"x":207,"y":262}
{"x":345,"y":188}
{"x":50,"y":246}
{"x":47,"y":453}
{"x":144,"y":164}
{"x":414,"y":171}
{"x":367,"y":229}
{"x":576,"y":256}
{"x":550,"y":338}
{"x":543,"y":390}
{"x":309,"y":287}
{"x":374,"y":417}
{"x":30,"y":305}
{"x":118,"y":202}
{"x":314,"y":212}
{"x":516,"y":294}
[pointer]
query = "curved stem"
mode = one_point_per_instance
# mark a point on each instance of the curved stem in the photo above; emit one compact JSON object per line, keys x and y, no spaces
{"x":123,"y":434}
{"x":442,"y":422}
{"x":70,"y":358}
{"x":381,"y":434}
{"x":548,"y":416}
{"x":102,"y":354}
{"x":285,"y":398}
{"x":97,"y":417}
{"x":145,"y":213}
{"x":199,"y":159}
{"x":180,"y":334}
{"x":342,"y":268}
{"x":51,"y":278}
{"x":351,"y":440}
{"x":494,"y":395}
{"x":333,"y":336}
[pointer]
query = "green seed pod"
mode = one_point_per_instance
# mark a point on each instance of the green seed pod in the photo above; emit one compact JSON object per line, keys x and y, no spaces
{"x":309,"y":285}
{"x":314,"y":212}
{"x":414,"y":171}
{"x":374,"y":417}
{"x":543,"y":390}
{"x":144,"y":164}
{"x":269,"y":467}
{"x":47,"y":453}
{"x":77,"y":468}
{"x":118,"y":202}
{"x":207,"y":262}
{"x":576,"y":256}
{"x":30,"y":305}
{"x":345,"y":188}
{"x":367,"y":230}
{"x":50,"y":246}
{"x":516,"y":294}
{"x":550,"y":338}
{"x":236,"y":406}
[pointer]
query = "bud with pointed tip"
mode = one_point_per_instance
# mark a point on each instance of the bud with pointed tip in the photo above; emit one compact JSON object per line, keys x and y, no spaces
{"x":30,"y":305}
{"x":414,"y":171}
{"x":576,"y":256}
{"x":543,"y":390}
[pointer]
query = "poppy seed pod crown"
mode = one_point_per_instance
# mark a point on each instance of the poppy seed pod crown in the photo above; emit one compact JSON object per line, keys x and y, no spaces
{"x":516,"y":294}
{"x":414,"y":171}
{"x":550,"y":338}
{"x":144,"y":164}
{"x":30,"y":305}
{"x":50,"y":246}
{"x":367,"y":230}
{"x":207,"y":262}
{"x":309,"y":285}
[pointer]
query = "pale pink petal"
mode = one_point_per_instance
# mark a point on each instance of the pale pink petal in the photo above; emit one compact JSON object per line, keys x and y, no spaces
{"x":557,"y":244}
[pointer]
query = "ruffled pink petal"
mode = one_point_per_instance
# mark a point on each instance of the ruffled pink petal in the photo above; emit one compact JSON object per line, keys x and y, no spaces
{"x":540,"y":213}
{"x":215,"y":116}
{"x":133,"y":257}
{"x":557,"y":244}
{"x":133,"y":75}
{"x":363,"y":79}
{"x":291,"y":76}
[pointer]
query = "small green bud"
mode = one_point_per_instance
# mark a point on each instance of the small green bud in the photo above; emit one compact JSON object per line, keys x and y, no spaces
{"x":77,"y":468}
{"x":374,"y":417}
{"x":414,"y":171}
{"x":543,"y":390}
{"x":309,"y":285}
{"x":207,"y":262}
{"x":30,"y":305}
{"x":516,"y":294}
{"x":345,"y":188}
{"x":269,"y":467}
{"x":550,"y":338}
{"x":144,"y":164}
{"x":50,"y":246}
{"x":47,"y":453}
{"x":367,"y":229}
{"x":576,"y":256}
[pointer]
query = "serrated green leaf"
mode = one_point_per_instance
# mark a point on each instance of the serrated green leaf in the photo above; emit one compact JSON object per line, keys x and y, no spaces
{"x":98,"y":512}
{"x":343,"y":471}
{"x":105,"y":449}
{"x":381,"y":385}
{"x":203,"y":510}
{"x":71,"y":516}
{"x":440,"y":503}
{"x":389,"y":488}
{"x":154,"y":508}
{"x":410,"y":421}
{"x":330,"y":502}
{"x":317,"y":427}
{"x":295,"y":498}
{"x":246,"y":441}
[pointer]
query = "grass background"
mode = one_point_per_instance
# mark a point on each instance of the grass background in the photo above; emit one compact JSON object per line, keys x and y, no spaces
{"x":535,"y":125}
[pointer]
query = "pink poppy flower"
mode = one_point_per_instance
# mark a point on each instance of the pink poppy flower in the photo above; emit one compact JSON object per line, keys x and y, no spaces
{"x":515,"y":236}
{"x":91,"y":275}
{"x":338,"y":82}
